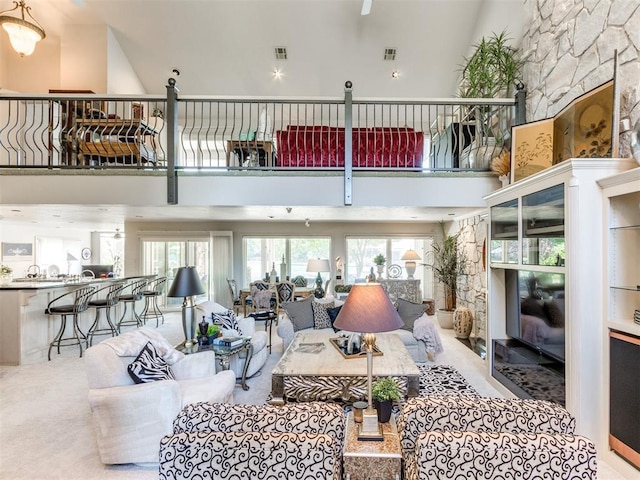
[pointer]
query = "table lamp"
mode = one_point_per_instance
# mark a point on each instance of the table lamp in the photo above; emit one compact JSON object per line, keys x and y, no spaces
{"x":187,"y":284}
{"x":317,"y":265}
{"x":368,"y":310}
{"x":410,"y":257}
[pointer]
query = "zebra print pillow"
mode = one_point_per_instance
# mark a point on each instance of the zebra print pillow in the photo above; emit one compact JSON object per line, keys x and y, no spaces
{"x":149,"y":366}
{"x":227,"y":321}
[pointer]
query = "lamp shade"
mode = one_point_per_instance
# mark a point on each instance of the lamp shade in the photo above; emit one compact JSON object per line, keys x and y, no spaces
{"x":318,"y":265}
{"x":23,"y":34}
{"x":368,"y":309}
{"x":186,"y":284}
{"x":410,"y":255}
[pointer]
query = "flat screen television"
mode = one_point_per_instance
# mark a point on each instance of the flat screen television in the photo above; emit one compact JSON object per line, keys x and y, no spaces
{"x":536,"y":310}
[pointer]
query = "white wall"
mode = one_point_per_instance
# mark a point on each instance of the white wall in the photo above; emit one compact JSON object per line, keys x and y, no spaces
{"x":121,"y":78}
{"x":83,"y":58}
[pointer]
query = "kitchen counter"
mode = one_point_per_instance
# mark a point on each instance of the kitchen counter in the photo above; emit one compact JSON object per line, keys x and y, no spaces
{"x":25,"y":330}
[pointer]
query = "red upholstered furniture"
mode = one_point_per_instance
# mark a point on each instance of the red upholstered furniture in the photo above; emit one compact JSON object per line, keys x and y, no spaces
{"x":322,"y":146}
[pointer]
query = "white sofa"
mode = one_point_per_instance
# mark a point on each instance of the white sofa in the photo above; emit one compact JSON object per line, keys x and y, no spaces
{"x":130,"y":419}
{"x":259,"y":339}
{"x":417,"y":348}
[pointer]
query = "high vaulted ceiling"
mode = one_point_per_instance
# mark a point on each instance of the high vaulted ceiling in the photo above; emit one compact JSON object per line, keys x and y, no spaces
{"x":226,"y":47}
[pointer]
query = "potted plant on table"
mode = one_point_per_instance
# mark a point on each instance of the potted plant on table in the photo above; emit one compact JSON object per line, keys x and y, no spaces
{"x":447,"y":262}
{"x":5,"y":274}
{"x":384,"y":391}
{"x":379,"y":260}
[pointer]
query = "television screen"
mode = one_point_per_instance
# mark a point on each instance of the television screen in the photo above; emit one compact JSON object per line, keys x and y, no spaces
{"x":536,"y":310}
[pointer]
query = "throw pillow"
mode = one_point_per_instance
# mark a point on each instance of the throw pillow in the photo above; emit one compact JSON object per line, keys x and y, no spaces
{"x":333,"y":314}
{"x":321,"y":318}
{"x":227,"y":321}
{"x":409,"y":312}
{"x":300,"y":313}
{"x":149,"y":366}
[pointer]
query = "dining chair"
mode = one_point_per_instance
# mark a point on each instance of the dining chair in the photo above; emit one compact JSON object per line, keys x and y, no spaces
{"x":285,"y":292}
{"x":235,"y":296}
{"x":261,"y":295}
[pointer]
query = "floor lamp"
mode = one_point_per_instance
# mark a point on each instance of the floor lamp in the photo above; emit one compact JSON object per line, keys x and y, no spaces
{"x":368,"y":310}
{"x":187,"y":284}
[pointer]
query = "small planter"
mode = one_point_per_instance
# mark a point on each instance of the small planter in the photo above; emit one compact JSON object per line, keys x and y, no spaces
{"x":384,"y":410}
{"x":445,"y":318}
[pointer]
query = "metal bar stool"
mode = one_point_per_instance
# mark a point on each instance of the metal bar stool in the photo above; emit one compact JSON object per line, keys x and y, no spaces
{"x":80,"y":303}
{"x":104,"y":304}
{"x":135,"y":289}
{"x":151,"y":293}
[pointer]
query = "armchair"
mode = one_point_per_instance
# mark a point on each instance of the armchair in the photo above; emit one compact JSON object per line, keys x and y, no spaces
{"x":444,"y":435}
{"x":247,"y":326}
{"x":298,"y":440}
{"x":129,"y":418}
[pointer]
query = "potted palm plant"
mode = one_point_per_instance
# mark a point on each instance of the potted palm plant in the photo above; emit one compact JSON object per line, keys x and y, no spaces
{"x":493,"y":70}
{"x":384,"y":392}
{"x":447,"y":262}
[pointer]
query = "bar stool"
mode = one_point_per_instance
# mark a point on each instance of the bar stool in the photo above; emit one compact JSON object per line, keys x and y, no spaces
{"x":151,"y":293}
{"x":135,"y":289}
{"x":104,"y":304}
{"x":80,"y":303}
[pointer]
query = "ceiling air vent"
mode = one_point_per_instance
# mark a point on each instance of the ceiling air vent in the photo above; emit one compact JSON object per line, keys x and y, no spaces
{"x":281,"y":53}
{"x":390,"y":53}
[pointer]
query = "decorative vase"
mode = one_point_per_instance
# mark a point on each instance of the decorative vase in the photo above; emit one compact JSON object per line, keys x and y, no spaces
{"x":445,"y":318}
{"x":462,"y":322}
{"x":380,"y":269}
{"x":504,"y":180}
{"x":5,"y":279}
{"x":384,"y":410}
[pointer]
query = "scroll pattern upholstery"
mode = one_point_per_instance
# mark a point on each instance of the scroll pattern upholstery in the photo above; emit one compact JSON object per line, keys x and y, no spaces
{"x":476,"y":414}
{"x":503,"y":455}
{"x":236,"y":455}
{"x":308,"y":418}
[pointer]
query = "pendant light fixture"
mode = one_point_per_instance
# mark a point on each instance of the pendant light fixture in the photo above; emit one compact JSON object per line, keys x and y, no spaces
{"x":23,"y":32}
{"x":117,"y":235}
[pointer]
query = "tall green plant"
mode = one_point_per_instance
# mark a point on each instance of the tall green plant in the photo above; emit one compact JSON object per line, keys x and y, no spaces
{"x":448,"y":263}
{"x":492,"y":70}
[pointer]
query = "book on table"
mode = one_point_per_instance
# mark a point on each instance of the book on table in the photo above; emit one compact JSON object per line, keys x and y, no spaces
{"x":228,"y":341}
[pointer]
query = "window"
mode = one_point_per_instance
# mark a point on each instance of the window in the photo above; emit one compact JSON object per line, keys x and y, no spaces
{"x":288,"y":256}
{"x":361,"y":251}
{"x":112,"y":252}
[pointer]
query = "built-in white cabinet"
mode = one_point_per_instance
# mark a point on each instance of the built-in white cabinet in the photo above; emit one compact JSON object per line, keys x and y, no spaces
{"x":621,"y":312}
{"x":547,"y":242}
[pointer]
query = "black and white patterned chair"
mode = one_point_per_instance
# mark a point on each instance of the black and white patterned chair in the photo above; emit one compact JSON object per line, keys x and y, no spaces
{"x":255,"y":441}
{"x":444,"y":435}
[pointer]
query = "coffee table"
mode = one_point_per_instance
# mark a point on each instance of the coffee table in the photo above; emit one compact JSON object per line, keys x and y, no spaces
{"x":313,"y":369}
{"x":223,"y":354}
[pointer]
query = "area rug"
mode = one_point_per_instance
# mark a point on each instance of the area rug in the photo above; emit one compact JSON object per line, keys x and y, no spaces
{"x":537,"y":381}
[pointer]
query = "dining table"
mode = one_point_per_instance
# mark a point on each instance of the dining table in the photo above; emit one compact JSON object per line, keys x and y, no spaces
{"x":299,"y":292}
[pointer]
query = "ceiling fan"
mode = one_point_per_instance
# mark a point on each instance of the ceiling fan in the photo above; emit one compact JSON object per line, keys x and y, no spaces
{"x":366,"y":7}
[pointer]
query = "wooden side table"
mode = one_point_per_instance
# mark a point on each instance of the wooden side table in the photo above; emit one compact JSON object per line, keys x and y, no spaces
{"x":372,"y":460}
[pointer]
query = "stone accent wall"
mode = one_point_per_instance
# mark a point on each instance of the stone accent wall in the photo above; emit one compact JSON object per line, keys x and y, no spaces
{"x":569,"y":49}
{"x":472,"y":288}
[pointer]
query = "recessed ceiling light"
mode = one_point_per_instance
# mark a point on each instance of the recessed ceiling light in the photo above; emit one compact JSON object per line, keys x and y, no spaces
{"x":451,"y":214}
{"x":271,"y":217}
{"x":395,"y":74}
{"x":277,"y":74}
{"x":17,"y":211}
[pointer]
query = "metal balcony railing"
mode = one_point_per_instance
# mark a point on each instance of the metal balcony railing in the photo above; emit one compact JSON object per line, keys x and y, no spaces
{"x":88,"y":131}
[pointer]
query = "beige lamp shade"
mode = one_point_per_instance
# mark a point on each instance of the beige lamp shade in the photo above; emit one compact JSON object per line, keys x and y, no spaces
{"x":368,"y":309}
{"x":317,"y":265}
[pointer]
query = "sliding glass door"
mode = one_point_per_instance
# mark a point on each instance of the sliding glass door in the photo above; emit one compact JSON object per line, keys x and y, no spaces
{"x":163,"y":253}
{"x":164,"y":257}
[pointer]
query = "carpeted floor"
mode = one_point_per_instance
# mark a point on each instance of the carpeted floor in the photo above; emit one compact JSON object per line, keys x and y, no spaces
{"x":45,"y":424}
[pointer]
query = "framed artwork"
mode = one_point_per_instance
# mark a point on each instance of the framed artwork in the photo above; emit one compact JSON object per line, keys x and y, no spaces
{"x":531,"y":148}
{"x":583,"y":129}
{"x":17,"y":251}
